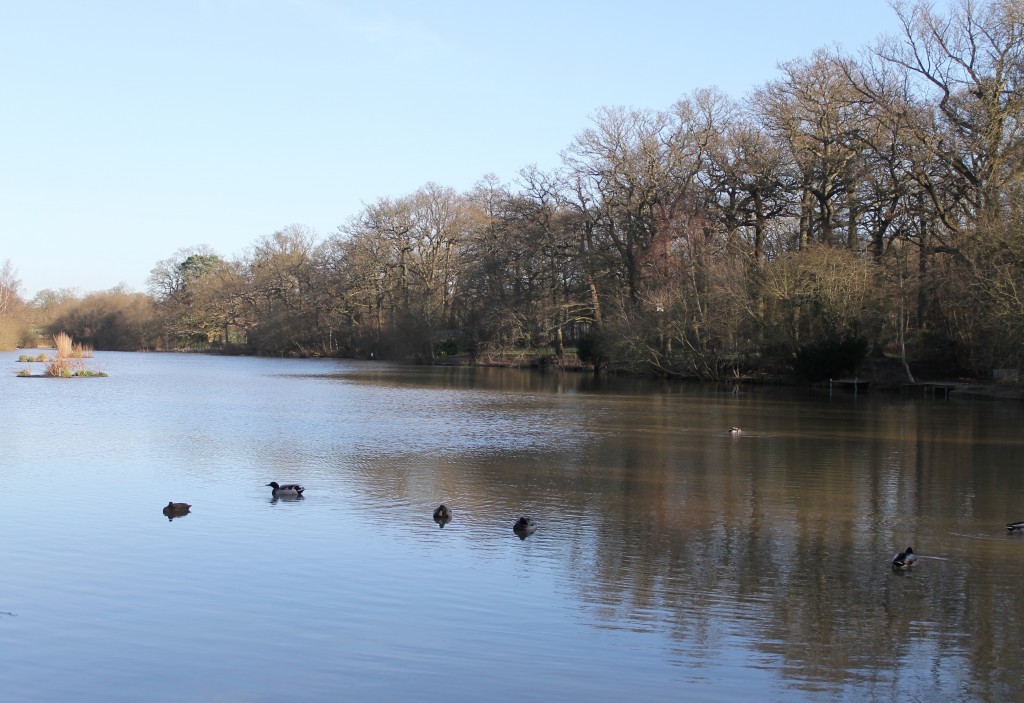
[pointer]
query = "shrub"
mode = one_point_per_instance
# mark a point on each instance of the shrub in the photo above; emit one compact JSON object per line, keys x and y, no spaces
{"x":592,"y":348}
{"x":830,"y":359}
{"x":449,"y":346}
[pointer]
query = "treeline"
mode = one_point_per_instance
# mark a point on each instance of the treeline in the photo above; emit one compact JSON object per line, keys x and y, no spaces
{"x":854,"y":207}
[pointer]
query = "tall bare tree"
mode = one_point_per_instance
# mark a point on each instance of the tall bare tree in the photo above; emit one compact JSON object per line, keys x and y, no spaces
{"x":814,"y":112}
{"x":958,"y":87}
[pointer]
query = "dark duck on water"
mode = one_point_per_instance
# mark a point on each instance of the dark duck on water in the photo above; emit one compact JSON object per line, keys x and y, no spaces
{"x":904,"y":560}
{"x":524,"y":527}
{"x":286,"y":490}
{"x":442,"y":515}
{"x":173,"y":510}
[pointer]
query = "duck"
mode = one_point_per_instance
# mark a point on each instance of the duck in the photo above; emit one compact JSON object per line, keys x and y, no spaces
{"x":735,"y":430}
{"x":442,"y":515}
{"x":905,"y":559}
{"x":524,"y":527}
{"x":283,"y":491}
{"x":1015,"y":526}
{"x":173,"y":510}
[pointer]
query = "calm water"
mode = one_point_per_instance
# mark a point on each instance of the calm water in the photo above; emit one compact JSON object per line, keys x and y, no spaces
{"x":672,"y":561}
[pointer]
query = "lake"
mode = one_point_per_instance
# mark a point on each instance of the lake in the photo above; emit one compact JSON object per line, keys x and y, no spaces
{"x":672,"y":560}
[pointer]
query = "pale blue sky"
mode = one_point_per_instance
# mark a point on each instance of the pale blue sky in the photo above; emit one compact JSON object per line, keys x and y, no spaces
{"x":133,"y":128}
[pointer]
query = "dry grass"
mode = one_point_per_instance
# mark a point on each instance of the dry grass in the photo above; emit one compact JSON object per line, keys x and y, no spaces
{"x":69,"y":361}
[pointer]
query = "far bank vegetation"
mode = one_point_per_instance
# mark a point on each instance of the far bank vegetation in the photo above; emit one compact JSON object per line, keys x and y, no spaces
{"x":857,"y":210}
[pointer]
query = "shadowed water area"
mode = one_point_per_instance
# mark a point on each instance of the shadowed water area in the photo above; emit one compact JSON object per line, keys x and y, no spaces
{"x":671,"y":560}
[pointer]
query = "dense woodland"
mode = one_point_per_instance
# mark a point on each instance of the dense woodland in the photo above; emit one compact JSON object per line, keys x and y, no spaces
{"x":855,"y":209}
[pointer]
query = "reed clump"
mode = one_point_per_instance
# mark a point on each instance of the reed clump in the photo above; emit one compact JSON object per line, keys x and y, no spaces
{"x":70,"y":358}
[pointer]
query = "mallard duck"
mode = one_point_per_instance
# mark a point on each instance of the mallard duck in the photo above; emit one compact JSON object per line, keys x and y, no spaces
{"x":1015,"y":526}
{"x":443,"y":513}
{"x":735,"y":430}
{"x":288,"y":489}
{"x":173,"y":510}
{"x":904,"y":560}
{"x":524,"y":527}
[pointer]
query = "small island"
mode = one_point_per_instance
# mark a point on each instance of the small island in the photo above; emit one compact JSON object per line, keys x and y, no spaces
{"x":69,"y":361}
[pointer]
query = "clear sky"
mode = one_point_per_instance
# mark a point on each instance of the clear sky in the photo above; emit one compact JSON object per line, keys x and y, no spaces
{"x":130,"y":129}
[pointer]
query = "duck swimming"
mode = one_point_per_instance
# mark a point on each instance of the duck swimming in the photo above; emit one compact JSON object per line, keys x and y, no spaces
{"x":442,"y":515}
{"x":904,"y":560}
{"x":1015,"y":526}
{"x":173,"y":510}
{"x":735,"y":430}
{"x":524,"y":527}
{"x":289,"y":489}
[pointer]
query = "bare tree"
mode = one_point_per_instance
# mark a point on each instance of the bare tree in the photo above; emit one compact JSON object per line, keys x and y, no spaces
{"x":9,"y":285}
{"x":814,"y":112}
{"x":959,"y":82}
{"x":13,"y":323}
{"x":753,"y":180}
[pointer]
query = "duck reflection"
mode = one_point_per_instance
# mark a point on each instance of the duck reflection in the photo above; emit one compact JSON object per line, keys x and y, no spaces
{"x":173,"y":510}
{"x":293,"y":498}
{"x":442,"y":515}
{"x":524,"y":527}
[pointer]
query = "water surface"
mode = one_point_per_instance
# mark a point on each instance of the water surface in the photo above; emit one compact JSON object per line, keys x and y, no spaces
{"x":672,"y":560}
